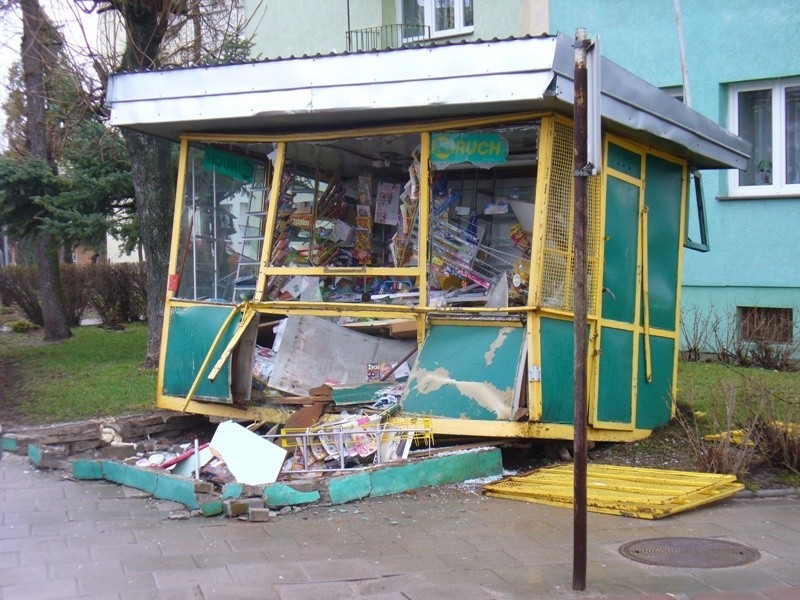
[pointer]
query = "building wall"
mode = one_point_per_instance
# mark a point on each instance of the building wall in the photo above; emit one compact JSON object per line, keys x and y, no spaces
{"x":755,"y":255}
{"x":297,"y":27}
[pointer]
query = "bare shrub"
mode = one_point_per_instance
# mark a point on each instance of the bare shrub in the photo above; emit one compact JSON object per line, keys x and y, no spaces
{"x":756,"y":337}
{"x":779,"y":440}
{"x":727,"y":343}
{"x":735,"y":454}
{"x":76,"y":293}
{"x":20,"y":287}
{"x":116,"y":293}
{"x":696,"y":332}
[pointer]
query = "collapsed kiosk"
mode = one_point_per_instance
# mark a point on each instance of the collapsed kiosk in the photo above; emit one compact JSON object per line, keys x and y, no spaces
{"x":422,"y":193}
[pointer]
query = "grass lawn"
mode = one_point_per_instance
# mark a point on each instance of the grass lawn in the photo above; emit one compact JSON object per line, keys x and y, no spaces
{"x":704,"y":387}
{"x":95,"y":373}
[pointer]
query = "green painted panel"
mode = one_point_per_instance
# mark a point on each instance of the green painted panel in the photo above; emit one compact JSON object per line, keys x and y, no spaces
{"x":191,"y":332}
{"x":654,"y":402}
{"x":663,"y":199}
{"x":437,"y":470}
{"x":614,"y":400}
{"x":558,"y":366}
{"x":467,"y":372}
{"x":621,"y":245}
{"x":624,"y":161}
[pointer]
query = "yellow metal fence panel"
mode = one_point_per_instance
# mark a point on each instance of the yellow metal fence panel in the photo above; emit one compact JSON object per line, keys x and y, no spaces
{"x":558,"y":257}
{"x":627,"y":491}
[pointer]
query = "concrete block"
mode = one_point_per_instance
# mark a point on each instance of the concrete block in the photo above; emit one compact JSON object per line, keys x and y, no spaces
{"x":119,"y":451}
{"x":280,"y":494}
{"x":346,"y":488}
{"x":260,"y":515}
{"x":48,"y":457}
{"x":87,"y":469}
{"x":250,"y":491}
{"x":436,"y":470}
{"x":202,"y":487}
{"x":234,"y":508}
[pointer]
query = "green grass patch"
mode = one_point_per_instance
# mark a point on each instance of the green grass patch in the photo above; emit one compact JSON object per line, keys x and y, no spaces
{"x":703,"y":385}
{"x":97,"y":372}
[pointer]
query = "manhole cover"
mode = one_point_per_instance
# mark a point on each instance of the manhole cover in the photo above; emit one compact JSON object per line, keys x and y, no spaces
{"x":702,"y":553}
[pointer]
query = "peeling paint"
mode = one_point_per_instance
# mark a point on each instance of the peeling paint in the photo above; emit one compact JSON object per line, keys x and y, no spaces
{"x":502,"y":334}
{"x":483,"y":393}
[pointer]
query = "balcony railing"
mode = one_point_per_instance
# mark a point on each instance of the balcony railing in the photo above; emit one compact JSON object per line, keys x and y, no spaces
{"x":386,"y":36}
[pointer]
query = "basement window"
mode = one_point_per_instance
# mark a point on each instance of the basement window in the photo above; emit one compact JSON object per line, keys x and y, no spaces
{"x":763,"y":324}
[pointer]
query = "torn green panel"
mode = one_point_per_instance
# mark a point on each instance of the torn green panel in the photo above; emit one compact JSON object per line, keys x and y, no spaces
{"x":191,"y":332}
{"x":359,"y":394}
{"x":467,"y":372}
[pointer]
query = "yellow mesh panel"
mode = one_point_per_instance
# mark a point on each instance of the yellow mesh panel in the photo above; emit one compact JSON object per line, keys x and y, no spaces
{"x":558,"y":259}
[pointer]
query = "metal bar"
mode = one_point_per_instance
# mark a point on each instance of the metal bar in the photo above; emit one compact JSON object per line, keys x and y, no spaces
{"x":247,"y":316}
{"x":579,"y":275}
{"x":648,"y":361}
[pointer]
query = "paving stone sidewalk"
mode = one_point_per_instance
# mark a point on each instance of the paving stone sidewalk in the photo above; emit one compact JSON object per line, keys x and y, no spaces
{"x":92,"y":539}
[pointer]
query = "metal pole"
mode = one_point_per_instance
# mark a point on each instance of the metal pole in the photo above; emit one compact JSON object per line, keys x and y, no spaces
{"x":579,"y":307}
{"x":687,"y":96}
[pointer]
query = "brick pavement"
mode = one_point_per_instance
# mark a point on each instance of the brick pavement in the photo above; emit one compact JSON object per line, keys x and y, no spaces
{"x":66,"y":539}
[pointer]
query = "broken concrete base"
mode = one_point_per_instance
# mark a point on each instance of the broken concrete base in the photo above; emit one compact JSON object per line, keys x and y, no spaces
{"x":81,"y":436}
{"x":48,"y":457}
{"x":239,"y":500}
{"x":161,"y":485}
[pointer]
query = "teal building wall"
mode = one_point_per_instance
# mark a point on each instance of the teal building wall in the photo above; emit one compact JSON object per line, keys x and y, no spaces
{"x":755,"y":244}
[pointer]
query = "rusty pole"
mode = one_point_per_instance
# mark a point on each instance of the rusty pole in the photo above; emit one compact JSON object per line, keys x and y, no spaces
{"x":579,"y":308}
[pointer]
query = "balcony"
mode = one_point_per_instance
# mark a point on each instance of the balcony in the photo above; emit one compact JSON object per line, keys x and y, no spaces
{"x":386,"y":36}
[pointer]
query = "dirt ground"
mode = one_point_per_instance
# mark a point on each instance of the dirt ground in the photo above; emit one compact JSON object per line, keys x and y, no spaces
{"x":10,"y":394}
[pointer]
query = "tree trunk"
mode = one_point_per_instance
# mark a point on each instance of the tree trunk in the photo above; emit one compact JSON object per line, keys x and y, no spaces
{"x":151,"y":165}
{"x":153,"y":182}
{"x":54,"y":312}
{"x":35,"y":56}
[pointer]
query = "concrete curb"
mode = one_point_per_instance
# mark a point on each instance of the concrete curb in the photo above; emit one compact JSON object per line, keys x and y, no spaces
{"x":769,"y":493}
{"x":379,"y":480}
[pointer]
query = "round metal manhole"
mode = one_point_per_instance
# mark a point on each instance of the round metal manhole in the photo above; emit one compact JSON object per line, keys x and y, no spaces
{"x":699,"y":553}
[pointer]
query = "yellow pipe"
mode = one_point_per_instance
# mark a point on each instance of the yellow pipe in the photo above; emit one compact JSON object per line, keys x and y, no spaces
{"x":269,"y":221}
{"x":247,"y":316}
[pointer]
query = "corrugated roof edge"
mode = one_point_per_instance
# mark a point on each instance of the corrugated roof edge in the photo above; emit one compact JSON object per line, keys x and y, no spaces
{"x":344,"y":53}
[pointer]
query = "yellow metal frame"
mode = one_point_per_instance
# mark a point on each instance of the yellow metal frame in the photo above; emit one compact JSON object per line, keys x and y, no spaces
{"x":423,"y":313}
{"x":641,"y":325}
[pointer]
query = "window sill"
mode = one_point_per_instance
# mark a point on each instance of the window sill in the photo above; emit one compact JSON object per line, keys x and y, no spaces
{"x":772,"y":196}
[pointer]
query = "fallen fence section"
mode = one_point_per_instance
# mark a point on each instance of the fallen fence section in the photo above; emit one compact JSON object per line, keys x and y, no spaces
{"x":627,"y":491}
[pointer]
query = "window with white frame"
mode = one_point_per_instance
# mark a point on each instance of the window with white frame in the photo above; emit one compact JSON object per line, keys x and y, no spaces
{"x":767,"y":114}
{"x":442,"y":17}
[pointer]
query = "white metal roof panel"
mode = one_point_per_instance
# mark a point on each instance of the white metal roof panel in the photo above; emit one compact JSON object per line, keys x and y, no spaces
{"x":402,"y":85}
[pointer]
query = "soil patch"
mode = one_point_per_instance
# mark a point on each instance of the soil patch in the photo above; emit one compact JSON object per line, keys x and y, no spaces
{"x":11,"y":394}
